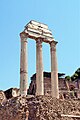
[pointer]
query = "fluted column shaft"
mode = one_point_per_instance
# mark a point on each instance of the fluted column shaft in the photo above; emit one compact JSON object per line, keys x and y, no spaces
{"x":39,"y":68}
{"x":23,"y":66}
{"x":54,"y":71}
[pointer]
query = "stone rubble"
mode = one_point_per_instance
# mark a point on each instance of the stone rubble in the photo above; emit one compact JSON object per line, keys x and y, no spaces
{"x":38,"y":108}
{"x":2,"y":96}
{"x":14,"y":109}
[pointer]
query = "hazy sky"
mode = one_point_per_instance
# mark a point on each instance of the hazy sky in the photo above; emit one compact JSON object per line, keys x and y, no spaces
{"x":62,"y":17}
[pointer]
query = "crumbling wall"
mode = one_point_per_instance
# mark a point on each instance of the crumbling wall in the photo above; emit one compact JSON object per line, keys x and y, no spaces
{"x":64,"y":93}
{"x":5,"y":95}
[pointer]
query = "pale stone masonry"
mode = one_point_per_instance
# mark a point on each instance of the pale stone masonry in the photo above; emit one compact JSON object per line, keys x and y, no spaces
{"x":2,"y":96}
{"x":23,"y":65}
{"x":40,"y":33}
{"x":54,"y":71}
{"x":39,"y":68}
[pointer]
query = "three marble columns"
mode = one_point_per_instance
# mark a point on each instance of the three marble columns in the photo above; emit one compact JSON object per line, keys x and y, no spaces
{"x":39,"y":68}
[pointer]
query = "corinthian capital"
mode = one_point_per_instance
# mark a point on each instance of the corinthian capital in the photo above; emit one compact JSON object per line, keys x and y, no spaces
{"x":53,"y":45}
{"x":23,"y":36}
{"x":39,"y":42}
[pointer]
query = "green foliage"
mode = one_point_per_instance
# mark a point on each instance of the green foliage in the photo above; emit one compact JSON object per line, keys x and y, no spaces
{"x":76,"y":75}
{"x":68,"y":78}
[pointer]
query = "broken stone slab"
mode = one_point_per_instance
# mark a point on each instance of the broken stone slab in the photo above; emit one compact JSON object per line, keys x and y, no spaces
{"x":37,"y":24}
{"x":2,"y":97}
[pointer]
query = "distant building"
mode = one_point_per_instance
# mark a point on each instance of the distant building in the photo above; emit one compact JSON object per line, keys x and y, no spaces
{"x":67,"y":89}
{"x":64,"y":92}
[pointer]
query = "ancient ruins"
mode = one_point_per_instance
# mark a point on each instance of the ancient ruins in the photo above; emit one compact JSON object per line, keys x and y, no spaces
{"x":42,"y":100}
{"x":67,"y":89}
{"x":40,"y":33}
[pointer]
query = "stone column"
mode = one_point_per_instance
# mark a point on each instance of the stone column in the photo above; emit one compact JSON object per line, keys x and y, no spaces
{"x":54,"y":71}
{"x":39,"y":68}
{"x":23,"y":65}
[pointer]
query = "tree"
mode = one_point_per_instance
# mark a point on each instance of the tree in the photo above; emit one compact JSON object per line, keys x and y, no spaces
{"x":76,"y":75}
{"x":68,"y":78}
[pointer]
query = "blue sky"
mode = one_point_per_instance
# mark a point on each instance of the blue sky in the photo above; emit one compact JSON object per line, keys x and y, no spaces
{"x":62,"y":17}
